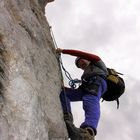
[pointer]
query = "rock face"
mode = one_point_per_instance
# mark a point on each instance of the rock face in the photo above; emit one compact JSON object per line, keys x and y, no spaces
{"x":30,"y":78}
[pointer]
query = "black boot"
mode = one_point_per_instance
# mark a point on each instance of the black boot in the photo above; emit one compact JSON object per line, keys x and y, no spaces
{"x":79,"y":133}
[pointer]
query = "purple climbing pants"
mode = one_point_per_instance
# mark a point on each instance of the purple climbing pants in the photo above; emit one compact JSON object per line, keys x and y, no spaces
{"x":91,"y":102}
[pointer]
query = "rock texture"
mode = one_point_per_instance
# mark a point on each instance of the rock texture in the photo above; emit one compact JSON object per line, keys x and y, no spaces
{"x":30,"y":82}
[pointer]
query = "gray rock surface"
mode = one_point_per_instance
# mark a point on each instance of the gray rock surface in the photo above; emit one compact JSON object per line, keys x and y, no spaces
{"x":30,"y":78}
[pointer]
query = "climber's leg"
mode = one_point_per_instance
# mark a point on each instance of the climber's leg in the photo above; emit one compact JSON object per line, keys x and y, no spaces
{"x":91,"y":105}
{"x":70,"y":95}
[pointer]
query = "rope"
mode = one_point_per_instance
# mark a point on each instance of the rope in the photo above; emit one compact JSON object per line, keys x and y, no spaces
{"x":72,"y":82}
{"x":60,"y":60}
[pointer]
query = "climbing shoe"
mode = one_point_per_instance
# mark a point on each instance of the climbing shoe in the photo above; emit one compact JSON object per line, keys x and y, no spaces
{"x":68,"y":116}
{"x":79,"y":133}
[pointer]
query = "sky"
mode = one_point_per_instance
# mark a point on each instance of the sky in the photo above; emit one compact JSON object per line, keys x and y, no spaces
{"x":110,"y":29}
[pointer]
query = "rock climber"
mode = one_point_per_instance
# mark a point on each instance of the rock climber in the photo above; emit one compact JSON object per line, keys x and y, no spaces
{"x":93,"y":87}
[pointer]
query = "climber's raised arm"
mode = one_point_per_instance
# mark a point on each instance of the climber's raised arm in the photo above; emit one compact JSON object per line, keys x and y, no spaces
{"x":81,"y":54}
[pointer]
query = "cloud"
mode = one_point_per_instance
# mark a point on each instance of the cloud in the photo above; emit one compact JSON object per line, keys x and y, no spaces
{"x":122,"y":123}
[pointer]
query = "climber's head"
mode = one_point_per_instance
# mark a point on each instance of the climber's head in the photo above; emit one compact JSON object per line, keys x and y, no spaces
{"x":81,"y":63}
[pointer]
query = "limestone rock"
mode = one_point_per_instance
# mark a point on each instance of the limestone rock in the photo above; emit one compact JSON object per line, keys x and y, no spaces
{"x":30,"y":78}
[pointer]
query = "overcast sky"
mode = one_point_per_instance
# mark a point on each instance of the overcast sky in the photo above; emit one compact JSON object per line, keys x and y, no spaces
{"x":110,"y":29}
